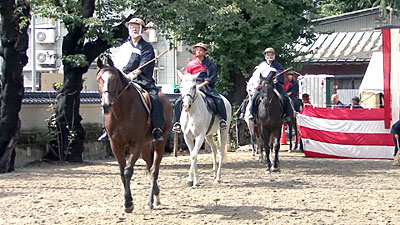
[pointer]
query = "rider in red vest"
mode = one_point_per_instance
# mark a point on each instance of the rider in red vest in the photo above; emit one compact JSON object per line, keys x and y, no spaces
{"x":205,"y":82}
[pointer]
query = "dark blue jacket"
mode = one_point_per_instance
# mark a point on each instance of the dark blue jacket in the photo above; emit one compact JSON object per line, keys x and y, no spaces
{"x":293,"y":88}
{"x":136,"y":60}
{"x":210,"y":74}
{"x":279,"y":68}
{"x":396,"y":128}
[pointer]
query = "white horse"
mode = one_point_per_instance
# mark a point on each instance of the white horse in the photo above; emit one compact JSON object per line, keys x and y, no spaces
{"x":197,"y":124}
{"x":250,"y":125}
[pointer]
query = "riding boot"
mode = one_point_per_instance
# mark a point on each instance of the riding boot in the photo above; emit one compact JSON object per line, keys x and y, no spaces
{"x":157,"y":134}
{"x":104,"y":136}
{"x":288,"y":114}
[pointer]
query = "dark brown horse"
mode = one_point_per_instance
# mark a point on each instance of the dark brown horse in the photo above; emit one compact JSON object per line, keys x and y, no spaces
{"x":127,"y":124}
{"x":269,"y":120}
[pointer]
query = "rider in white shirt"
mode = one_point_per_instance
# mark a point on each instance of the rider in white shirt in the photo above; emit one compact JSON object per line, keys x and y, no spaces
{"x":267,"y":69}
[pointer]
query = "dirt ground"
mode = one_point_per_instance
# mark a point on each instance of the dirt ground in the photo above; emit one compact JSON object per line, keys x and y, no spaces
{"x":306,"y":191}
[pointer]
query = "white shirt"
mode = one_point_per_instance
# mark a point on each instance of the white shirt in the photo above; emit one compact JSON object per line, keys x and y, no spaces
{"x":263,"y":69}
{"x":123,"y":55}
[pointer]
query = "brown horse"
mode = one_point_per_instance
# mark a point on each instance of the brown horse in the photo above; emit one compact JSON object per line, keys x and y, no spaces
{"x":127,"y":124}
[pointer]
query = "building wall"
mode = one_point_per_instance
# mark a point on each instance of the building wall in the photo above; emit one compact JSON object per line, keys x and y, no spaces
{"x":363,"y":23}
{"x":34,"y":116}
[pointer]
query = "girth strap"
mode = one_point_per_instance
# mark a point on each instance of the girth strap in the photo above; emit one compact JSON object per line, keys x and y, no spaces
{"x":139,"y":89}
{"x":211,"y":123}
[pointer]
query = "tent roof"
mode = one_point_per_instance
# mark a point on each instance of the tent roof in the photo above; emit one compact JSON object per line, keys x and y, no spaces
{"x":341,"y":47}
{"x":373,"y":78}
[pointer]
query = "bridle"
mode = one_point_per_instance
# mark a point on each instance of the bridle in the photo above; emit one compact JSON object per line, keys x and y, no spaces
{"x":116,"y":89}
{"x":192,"y":97}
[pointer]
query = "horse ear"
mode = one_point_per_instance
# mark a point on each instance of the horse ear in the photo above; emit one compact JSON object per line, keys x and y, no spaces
{"x":110,"y":62}
{"x":99,"y":62}
{"x":180,"y":74}
{"x":196,"y":75}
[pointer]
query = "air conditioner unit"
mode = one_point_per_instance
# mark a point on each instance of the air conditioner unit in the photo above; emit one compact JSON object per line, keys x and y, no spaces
{"x":46,"y":36}
{"x":45,"y":57}
{"x":152,"y":35}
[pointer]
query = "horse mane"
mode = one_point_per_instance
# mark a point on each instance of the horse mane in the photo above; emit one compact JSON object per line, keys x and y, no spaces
{"x":114,"y":70}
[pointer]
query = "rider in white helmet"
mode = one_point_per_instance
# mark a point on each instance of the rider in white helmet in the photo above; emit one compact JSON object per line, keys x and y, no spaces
{"x":267,"y":69}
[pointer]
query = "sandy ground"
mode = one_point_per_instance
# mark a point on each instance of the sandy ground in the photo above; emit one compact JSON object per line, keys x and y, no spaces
{"x":306,"y":191}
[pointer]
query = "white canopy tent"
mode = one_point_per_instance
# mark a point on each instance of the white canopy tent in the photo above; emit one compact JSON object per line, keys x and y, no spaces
{"x":373,"y":78}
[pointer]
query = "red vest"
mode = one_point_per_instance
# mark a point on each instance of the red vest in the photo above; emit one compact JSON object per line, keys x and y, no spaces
{"x":194,"y":67}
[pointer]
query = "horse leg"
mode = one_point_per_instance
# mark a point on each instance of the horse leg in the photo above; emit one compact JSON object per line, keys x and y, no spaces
{"x":266,"y":137}
{"x":260,"y":148}
{"x":297,"y":137}
{"x":128,"y":172}
{"x":290,"y":136}
{"x":199,"y":140}
{"x":275,"y":167}
{"x":154,"y":171}
{"x":223,"y":137}
{"x":253,"y":148}
{"x":210,"y":141}
{"x":119,"y":154}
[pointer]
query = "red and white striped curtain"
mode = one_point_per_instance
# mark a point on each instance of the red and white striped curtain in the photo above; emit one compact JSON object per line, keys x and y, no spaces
{"x":345,"y":133}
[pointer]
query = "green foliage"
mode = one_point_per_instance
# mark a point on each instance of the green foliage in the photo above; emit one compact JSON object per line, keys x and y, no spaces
{"x":236,"y":31}
{"x":94,"y":26}
{"x":77,"y":60}
{"x":335,"y":7}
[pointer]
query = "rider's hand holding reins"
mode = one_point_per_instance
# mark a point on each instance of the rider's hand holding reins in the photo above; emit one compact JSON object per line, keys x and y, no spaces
{"x":203,"y":84}
{"x":132,"y":75}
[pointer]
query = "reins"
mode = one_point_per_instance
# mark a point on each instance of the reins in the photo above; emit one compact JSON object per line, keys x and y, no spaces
{"x":126,"y":87}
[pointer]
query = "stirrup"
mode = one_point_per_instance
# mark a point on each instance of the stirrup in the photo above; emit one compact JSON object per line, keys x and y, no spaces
{"x":177,"y":127}
{"x":223,"y":125}
{"x":286,"y":118}
{"x":157,"y":134}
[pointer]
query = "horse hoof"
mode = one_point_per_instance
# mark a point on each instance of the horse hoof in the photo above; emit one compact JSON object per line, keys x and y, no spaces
{"x":149,"y":207}
{"x":217,"y":181}
{"x":189,"y":184}
{"x":276,"y":169}
{"x":196,"y":185}
{"x":268,"y":172}
{"x":128,"y":209}
{"x":158,"y":202}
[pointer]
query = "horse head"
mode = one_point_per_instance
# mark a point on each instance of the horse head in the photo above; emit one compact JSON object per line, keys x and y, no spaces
{"x":267,"y":86}
{"x":110,"y":83}
{"x":188,"y":89}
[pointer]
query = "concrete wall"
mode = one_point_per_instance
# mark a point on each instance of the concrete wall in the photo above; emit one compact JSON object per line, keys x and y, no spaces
{"x":33,"y":117}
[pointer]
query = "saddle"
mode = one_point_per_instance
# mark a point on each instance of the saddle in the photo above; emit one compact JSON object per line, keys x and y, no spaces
{"x":144,"y":96}
{"x":211,"y":107}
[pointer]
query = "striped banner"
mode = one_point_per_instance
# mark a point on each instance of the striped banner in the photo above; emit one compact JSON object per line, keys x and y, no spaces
{"x":345,"y":133}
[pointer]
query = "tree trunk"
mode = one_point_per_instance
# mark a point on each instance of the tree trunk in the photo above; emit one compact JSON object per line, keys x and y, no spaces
{"x":14,"y":42}
{"x":69,"y":143}
{"x":239,"y":92}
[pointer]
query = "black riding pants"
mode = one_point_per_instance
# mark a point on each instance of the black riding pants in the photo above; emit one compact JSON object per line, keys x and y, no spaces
{"x":157,"y":111}
{"x":177,"y":109}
